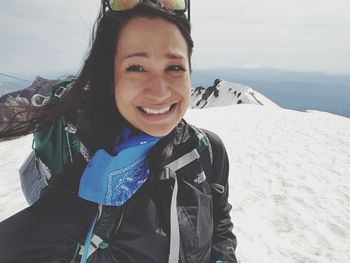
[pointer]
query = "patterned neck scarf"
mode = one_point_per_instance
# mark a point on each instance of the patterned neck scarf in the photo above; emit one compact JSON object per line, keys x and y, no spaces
{"x":112,"y":180}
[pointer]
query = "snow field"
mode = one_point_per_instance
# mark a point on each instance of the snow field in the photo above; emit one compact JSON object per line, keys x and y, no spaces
{"x":289,"y":181}
{"x":12,"y":155}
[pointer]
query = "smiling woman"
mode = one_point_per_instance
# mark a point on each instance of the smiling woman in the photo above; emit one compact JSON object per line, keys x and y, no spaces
{"x":143,"y":185}
{"x":152,"y":82}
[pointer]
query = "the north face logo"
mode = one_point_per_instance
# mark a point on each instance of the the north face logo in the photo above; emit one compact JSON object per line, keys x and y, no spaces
{"x":200,"y":178}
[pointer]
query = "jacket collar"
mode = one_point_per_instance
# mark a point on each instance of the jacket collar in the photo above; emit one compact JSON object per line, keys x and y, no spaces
{"x":184,"y":140}
{"x":181,"y":140}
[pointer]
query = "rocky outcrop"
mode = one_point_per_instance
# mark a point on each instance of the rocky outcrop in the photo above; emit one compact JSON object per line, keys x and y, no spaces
{"x":223,"y":93}
{"x":13,"y":105}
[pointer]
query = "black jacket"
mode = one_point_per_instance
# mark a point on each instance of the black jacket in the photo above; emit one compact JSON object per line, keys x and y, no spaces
{"x":50,"y":230}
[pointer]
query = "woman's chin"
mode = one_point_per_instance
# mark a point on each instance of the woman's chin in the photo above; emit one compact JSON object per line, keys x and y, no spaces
{"x":158,"y":132}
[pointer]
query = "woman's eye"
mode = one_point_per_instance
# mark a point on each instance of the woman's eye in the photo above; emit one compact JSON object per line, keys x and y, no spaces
{"x":176,"y":68}
{"x":135,"y":68}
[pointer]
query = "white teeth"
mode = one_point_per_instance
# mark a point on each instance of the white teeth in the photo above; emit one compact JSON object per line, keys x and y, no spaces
{"x":153,"y":111}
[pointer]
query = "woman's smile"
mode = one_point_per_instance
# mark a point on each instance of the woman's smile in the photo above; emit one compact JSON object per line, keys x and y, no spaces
{"x":155,"y":111}
{"x":158,"y":114}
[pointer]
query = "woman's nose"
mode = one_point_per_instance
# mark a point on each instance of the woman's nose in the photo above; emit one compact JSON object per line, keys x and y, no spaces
{"x":157,"y":89}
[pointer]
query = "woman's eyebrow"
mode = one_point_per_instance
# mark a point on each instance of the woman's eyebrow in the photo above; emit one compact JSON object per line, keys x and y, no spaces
{"x":145,"y":55}
{"x":138,"y":54}
{"x":174,"y":56}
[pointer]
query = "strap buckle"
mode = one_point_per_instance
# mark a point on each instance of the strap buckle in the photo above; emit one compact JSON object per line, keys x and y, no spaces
{"x":60,"y":91}
{"x":39,"y":100}
{"x":70,"y":128}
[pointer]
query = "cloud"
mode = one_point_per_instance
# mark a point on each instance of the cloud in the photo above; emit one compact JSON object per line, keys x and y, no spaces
{"x":42,"y":35}
{"x":312,"y":35}
{"x":301,"y":35}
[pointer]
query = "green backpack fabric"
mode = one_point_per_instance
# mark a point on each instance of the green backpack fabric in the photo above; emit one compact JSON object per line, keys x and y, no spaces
{"x":57,"y":144}
{"x":53,"y":148}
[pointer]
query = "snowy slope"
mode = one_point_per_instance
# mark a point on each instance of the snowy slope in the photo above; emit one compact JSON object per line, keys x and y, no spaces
{"x":224,"y":93}
{"x":12,"y":155}
{"x":289,"y":181}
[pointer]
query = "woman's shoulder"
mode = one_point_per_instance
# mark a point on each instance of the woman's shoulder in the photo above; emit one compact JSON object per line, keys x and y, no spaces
{"x":216,"y":147}
{"x":216,"y":143}
{"x":215,"y":161}
{"x":214,"y":139}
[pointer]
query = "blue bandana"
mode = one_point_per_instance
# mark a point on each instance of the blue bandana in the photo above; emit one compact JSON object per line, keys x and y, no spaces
{"x":112,"y":180}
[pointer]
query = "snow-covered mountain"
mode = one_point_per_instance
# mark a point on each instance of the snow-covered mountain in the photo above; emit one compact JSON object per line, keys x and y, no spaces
{"x":223,"y":93}
{"x":289,"y":178}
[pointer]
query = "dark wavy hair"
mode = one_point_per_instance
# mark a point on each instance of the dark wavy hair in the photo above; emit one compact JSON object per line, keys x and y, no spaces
{"x":91,"y":94}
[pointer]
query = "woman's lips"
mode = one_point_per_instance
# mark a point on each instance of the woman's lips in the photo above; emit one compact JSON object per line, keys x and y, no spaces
{"x":157,"y":114}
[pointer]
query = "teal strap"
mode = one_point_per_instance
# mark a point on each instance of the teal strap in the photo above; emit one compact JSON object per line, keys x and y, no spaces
{"x":203,"y":142}
{"x":88,"y":242}
{"x":87,"y":245}
{"x":68,"y":141}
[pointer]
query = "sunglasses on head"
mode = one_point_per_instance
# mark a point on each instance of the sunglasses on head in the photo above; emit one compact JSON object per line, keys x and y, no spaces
{"x":176,"y":6}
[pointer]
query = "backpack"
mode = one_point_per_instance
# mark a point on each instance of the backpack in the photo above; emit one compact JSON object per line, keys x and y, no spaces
{"x":55,"y":146}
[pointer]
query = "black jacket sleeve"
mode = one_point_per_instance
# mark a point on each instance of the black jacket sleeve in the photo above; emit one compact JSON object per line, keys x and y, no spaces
{"x":50,"y":230}
{"x":224,"y":241}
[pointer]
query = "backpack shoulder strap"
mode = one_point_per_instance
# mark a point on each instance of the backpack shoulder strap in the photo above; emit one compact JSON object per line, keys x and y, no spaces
{"x":205,"y":151}
{"x":101,"y":232}
{"x":204,"y":143}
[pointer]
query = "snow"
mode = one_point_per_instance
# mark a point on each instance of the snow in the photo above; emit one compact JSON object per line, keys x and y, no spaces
{"x":12,"y":155}
{"x":289,"y":181}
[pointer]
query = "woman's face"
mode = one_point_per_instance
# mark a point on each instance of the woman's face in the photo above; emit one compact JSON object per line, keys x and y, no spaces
{"x":152,"y":75}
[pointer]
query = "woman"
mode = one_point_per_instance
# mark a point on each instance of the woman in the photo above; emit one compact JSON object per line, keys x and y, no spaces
{"x":128,"y":103}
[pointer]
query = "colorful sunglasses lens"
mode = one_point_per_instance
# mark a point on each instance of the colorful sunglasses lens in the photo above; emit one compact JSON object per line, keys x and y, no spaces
{"x":174,"y":4}
{"x":120,"y":5}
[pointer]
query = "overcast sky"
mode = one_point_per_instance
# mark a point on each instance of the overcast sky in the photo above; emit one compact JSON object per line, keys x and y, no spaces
{"x":304,"y":35}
